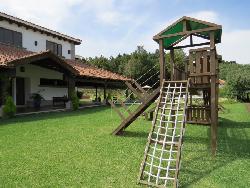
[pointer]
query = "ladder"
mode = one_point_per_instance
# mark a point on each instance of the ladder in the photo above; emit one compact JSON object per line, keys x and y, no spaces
{"x":161,"y":163}
{"x":146,"y":99}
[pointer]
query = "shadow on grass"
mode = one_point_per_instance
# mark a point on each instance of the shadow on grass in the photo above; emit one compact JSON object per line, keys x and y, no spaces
{"x":131,"y":134}
{"x":52,"y":115}
{"x":233,"y":143}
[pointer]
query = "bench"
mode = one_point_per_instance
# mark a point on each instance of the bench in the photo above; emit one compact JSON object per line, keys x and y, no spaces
{"x":60,"y":100}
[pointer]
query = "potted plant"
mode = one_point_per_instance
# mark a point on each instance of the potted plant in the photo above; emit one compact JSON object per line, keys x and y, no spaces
{"x":37,"y":99}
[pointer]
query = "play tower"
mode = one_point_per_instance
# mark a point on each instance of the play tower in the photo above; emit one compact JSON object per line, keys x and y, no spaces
{"x":175,"y":105}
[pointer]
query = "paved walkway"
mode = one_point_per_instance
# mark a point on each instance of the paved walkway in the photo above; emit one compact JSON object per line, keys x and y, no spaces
{"x":29,"y":111}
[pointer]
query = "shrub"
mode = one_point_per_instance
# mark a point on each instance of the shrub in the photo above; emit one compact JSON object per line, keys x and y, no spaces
{"x":79,"y":94}
{"x":75,"y":100}
{"x":9,"y":109}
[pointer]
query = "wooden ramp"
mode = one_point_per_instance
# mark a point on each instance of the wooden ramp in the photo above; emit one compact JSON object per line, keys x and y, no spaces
{"x":146,"y":102}
{"x":161,"y":163}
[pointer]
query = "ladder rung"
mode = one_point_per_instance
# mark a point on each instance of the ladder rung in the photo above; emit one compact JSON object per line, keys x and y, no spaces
{"x":161,"y":158}
{"x":164,"y":150}
{"x":170,"y":136}
{"x":161,"y":142}
{"x":169,"y":121}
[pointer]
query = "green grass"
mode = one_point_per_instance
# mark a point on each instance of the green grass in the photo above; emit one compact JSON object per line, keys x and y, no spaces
{"x":75,"y":149}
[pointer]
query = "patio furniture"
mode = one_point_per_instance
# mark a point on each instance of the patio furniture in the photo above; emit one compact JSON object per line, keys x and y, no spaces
{"x":59,"y":101}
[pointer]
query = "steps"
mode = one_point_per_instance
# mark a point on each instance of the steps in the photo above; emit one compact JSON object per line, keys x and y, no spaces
{"x":161,"y":163}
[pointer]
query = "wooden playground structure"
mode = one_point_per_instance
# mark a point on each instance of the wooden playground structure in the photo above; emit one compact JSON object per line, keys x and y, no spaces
{"x":175,"y":105}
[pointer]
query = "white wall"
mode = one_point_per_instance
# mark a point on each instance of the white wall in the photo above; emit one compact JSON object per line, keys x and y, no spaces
{"x":32,"y":77}
{"x":29,"y":38}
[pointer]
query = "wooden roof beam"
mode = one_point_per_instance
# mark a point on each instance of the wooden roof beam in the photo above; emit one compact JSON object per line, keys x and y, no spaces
{"x":188,"y":32}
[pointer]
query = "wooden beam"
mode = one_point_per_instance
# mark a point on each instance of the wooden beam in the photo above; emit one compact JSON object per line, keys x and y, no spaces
{"x":186,"y":46}
{"x":117,"y":110}
{"x":125,"y":107}
{"x":134,"y":91}
{"x":162,"y":62}
{"x":187,"y":32}
{"x":213,"y":102}
{"x":140,"y":88}
{"x":172,"y":65}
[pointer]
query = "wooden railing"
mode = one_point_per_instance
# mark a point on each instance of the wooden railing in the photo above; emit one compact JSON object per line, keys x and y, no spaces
{"x":198,"y":114}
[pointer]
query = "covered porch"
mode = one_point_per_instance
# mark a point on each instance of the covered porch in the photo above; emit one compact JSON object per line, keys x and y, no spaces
{"x":25,"y":74}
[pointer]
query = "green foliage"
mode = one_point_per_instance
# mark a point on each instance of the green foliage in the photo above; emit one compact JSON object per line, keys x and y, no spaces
{"x":237,"y":79}
{"x":37,"y":96}
{"x":75,"y":100}
{"x":79,"y":94}
{"x":137,"y":63}
{"x":9,"y":109}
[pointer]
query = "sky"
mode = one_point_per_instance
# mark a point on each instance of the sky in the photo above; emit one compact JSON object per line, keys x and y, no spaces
{"x":110,"y":27}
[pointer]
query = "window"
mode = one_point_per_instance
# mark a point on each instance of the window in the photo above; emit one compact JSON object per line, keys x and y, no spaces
{"x":54,"y":47}
{"x":69,"y":52}
{"x":52,"y":82}
{"x":36,"y":43}
{"x":10,"y":37}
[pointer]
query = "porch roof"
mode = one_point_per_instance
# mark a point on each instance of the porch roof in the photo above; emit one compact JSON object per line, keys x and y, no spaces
{"x":11,"y":56}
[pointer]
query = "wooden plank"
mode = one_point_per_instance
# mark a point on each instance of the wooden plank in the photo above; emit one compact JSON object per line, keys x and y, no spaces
{"x":214,"y":108}
{"x":125,"y":107}
{"x":148,"y":101}
{"x":172,"y":64}
{"x":191,"y":66}
{"x":188,"y":45}
{"x":205,"y":64}
{"x":162,"y":61}
{"x":134,"y":91}
{"x":198,"y":66}
{"x":117,"y":110}
{"x":140,"y":88}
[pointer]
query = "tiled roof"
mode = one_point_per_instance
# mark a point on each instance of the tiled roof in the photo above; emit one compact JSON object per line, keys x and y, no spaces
{"x":94,"y":72}
{"x":10,"y":54}
{"x":35,"y":27}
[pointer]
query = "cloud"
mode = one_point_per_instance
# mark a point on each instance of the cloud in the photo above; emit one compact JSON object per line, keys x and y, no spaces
{"x":47,"y":13}
{"x":235,"y":46}
{"x":206,"y":15}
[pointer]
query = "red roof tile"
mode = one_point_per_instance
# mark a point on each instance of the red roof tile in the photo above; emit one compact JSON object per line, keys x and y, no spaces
{"x":10,"y":54}
{"x":91,"y":71}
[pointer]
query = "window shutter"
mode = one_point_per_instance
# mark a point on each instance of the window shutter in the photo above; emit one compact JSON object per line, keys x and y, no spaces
{"x":18,"y":39}
{"x":59,"y":50}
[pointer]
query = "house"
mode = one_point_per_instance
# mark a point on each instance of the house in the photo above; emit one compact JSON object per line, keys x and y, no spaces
{"x":34,"y":59}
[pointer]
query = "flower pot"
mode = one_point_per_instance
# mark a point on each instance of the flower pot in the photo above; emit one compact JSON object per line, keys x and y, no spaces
{"x":37,"y":104}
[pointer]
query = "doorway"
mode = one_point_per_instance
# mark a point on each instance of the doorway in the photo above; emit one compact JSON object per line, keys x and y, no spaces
{"x":20,"y":91}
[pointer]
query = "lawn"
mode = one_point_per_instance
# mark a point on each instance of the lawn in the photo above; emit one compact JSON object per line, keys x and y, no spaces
{"x":76,"y":149}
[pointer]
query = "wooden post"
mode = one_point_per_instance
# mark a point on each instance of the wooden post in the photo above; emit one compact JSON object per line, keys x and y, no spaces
{"x":214,"y":97}
{"x":96,"y":93}
{"x":172,"y":65}
{"x":71,"y":86}
{"x":162,"y":61}
{"x":104,"y":93}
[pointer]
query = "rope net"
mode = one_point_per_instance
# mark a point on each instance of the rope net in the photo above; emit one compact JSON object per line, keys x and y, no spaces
{"x":162,"y":154}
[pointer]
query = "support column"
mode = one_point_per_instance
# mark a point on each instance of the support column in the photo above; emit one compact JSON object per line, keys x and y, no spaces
{"x":71,"y":86}
{"x":172,"y":65}
{"x":96,"y":93}
{"x":162,"y":62}
{"x":214,"y":95}
{"x":14,"y":89}
{"x":104,"y":93}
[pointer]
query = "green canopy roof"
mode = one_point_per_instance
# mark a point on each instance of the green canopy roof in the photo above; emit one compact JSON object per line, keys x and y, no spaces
{"x":185,"y":27}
